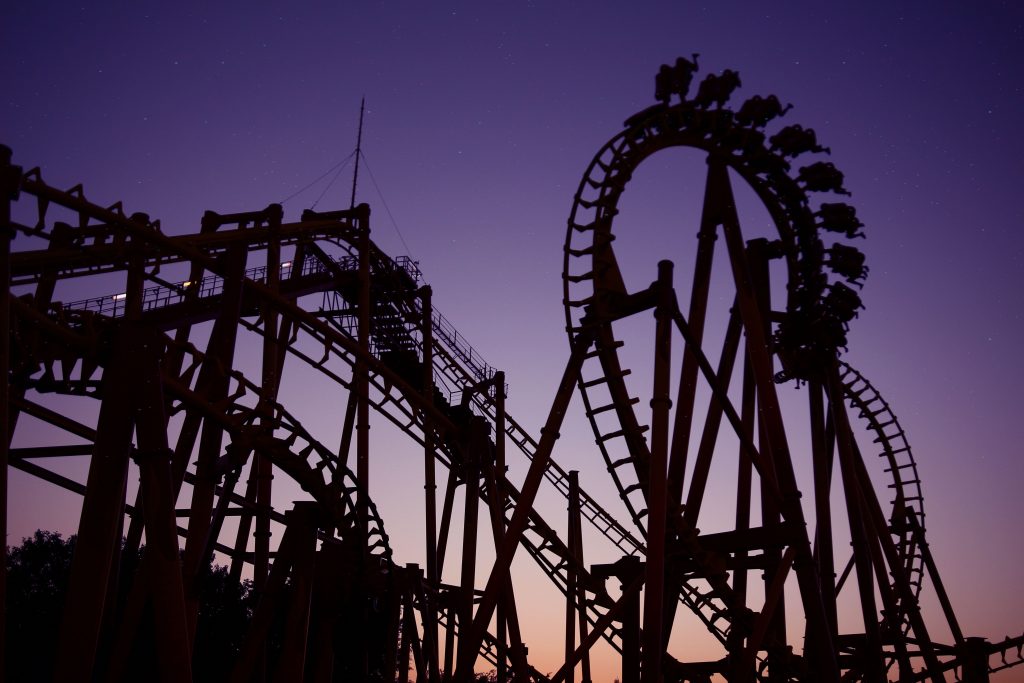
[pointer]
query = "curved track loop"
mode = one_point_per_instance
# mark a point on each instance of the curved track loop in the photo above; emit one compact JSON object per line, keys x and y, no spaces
{"x":290,"y":447}
{"x":905,"y":484}
{"x":591,"y":275}
{"x":805,"y":338}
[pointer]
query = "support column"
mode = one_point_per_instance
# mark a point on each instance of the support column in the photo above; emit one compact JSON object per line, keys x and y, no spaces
{"x":823,"y":453}
{"x":656,"y":503}
{"x":473,"y":449}
{"x":974,"y":654}
{"x":630,"y":623}
{"x":161,"y":561}
{"x":10,"y":178}
{"x":740,"y":671}
{"x":570,"y":578}
{"x":102,"y":511}
{"x":430,"y":644}
{"x":771,"y":508}
{"x":501,"y":500}
{"x":362,"y":385}
{"x":264,"y":466}
{"x":292,"y":663}
{"x":576,"y":606}
{"x":520,"y":518}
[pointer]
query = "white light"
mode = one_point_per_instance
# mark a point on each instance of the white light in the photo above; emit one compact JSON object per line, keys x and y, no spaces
{"x":118,"y":297}
{"x":186,"y":284}
{"x":286,"y":264}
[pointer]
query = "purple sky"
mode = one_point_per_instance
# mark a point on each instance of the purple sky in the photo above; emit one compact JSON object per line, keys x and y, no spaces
{"x":480,"y":122}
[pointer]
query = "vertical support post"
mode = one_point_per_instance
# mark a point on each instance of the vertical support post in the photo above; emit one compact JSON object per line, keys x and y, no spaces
{"x":362,"y":382}
{"x":570,"y":574}
{"x":578,"y":596}
{"x":396,"y":590}
{"x":407,"y":629}
{"x":326,"y":585}
{"x":271,"y":351}
{"x":771,"y":512}
{"x":430,"y":644}
{"x":449,"y":639}
{"x":549,"y":434}
{"x":292,"y":662}
{"x":822,"y":454}
{"x":744,"y":489}
{"x":10,"y":178}
{"x":263,"y":471}
{"x":974,"y":660}
{"x":264,"y":466}
{"x":161,"y":560}
{"x":630,"y":569}
{"x":475,"y":445}
{"x":245,"y":522}
{"x":501,"y":500}
{"x":656,"y":500}
{"x":416,"y":592}
{"x":102,"y":510}
{"x":406,"y":626}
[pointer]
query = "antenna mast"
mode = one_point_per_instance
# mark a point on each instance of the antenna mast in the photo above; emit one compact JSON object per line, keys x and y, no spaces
{"x":359,"y":152}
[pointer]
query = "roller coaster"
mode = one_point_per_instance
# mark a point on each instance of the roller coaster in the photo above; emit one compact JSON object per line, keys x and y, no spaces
{"x":209,"y":441}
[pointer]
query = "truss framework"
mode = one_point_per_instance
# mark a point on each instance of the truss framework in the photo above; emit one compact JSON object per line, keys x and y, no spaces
{"x":160,"y":356}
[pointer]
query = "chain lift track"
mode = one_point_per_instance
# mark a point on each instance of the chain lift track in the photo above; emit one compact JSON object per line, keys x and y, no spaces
{"x":376,"y":336}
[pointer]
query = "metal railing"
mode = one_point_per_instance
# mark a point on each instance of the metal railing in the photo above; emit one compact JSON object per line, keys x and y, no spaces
{"x":170,"y":294}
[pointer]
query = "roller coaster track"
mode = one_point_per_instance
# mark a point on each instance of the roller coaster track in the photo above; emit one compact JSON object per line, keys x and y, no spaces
{"x":451,"y":354}
{"x":64,"y":344}
{"x":591,"y":274}
{"x":458,"y":368}
{"x":164,"y":303}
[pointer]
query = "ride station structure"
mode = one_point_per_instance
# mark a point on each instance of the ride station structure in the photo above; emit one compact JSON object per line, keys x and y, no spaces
{"x":806,"y":583}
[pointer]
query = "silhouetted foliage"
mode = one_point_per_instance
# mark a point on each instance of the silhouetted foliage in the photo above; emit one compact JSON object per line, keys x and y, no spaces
{"x":37,"y":574}
{"x":37,"y":580}
{"x":225,"y":609}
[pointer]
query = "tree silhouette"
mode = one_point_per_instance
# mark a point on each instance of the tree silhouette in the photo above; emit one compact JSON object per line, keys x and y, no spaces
{"x":37,"y":579}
